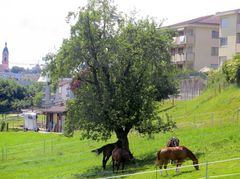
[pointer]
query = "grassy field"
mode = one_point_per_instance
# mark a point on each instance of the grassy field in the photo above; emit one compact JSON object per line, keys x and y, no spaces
{"x":48,"y":155}
{"x":40,"y":155}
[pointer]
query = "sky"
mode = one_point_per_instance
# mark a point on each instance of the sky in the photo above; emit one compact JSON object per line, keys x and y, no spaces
{"x":33,"y":28}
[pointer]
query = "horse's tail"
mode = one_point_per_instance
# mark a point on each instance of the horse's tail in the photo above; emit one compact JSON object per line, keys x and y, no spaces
{"x":157,"y":162}
{"x":99,"y":150}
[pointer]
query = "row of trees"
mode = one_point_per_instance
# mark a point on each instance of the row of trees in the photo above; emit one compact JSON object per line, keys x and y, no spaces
{"x":121,"y":67}
{"x":14,"y":97}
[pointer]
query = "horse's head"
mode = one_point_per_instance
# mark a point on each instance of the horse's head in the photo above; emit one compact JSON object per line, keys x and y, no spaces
{"x":131,"y":157}
{"x":195,"y":164}
{"x":175,"y":142}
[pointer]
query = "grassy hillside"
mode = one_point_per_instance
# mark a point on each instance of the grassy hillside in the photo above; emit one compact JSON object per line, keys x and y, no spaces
{"x":40,"y":155}
{"x":217,"y":104}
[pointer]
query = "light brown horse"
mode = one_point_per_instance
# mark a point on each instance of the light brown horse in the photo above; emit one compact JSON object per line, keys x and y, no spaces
{"x":121,"y":155}
{"x":175,"y":153}
{"x":107,"y":151}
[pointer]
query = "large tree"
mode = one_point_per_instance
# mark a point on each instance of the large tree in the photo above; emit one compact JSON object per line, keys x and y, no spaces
{"x":121,"y":67}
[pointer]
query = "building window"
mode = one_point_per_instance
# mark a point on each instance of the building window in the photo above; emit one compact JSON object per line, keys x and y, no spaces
{"x":60,"y":90}
{"x":214,"y":51}
{"x":238,"y":19}
{"x":223,"y":41}
{"x":222,"y":59}
{"x":238,"y":38}
{"x":215,"y":34}
{"x":190,"y":32}
{"x":224,"y":23}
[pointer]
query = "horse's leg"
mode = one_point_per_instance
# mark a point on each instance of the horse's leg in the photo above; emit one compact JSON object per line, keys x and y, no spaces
{"x":118,"y":165}
{"x":113,"y":165}
{"x":160,"y":166}
{"x":123,"y":165}
{"x":105,"y":161}
{"x":165,"y":166}
{"x":179,"y":162}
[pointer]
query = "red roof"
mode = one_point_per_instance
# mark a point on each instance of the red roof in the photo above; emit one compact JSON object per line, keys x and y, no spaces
{"x":209,"y":20}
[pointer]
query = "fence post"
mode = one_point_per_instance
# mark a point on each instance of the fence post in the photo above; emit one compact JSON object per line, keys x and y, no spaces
{"x":2,"y":152}
{"x":237,"y":117}
{"x":44,"y":146}
{"x":52,"y":145}
{"x":6,"y":152}
{"x":207,"y":170}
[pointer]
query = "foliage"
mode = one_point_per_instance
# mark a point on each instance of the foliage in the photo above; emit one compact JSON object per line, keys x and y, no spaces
{"x":35,"y":93}
{"x":16,"y":69}
{"x":231,"y":69}
{"x":12,"y":96}
{"x":121,"y":66}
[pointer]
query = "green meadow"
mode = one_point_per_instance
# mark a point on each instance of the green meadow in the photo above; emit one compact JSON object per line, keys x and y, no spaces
{"x":48,"y":155}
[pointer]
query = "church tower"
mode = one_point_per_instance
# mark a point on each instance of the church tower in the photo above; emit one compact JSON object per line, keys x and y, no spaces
{"x":5,"y":56}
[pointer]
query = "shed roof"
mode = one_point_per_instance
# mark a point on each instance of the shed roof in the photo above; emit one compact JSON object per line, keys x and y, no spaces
{"x":55,"y":109}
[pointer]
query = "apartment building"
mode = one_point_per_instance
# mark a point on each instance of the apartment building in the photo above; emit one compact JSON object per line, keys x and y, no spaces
{"x":229,"y":33}
{"x":197,"y":43}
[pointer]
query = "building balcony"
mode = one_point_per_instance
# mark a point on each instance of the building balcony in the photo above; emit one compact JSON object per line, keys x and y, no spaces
{"x":178,"y":58}
{"x":182,"y":58}
{"x":181,"y":40}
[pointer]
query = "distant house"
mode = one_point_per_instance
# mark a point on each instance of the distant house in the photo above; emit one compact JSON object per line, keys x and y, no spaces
{"x":197,"y":43}
{"x":63,"y":92}
{"x":54,"y":105}
{"x":229,"y":34}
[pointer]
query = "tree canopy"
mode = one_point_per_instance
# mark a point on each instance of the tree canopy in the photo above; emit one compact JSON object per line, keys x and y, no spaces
{"x":120,"y":68}
{"x":12,"y":96}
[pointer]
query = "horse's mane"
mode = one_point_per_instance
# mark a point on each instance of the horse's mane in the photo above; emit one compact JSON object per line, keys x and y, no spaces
{"x":190,"y":154}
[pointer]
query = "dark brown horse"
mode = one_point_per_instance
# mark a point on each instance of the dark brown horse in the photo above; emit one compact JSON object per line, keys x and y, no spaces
{"x":173,"y":142}
{"x":120,"y":155}
{"x":175,"y":153}
{"x":107,"y":151}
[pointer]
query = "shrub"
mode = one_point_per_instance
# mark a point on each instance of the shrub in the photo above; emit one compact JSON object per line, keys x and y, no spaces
{"x":231,"y":70}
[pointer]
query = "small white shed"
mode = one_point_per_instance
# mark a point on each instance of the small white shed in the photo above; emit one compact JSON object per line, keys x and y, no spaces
{"x":30,"y":121}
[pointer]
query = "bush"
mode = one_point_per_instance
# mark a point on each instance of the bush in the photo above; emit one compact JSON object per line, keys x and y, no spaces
{"x":231,"y":70}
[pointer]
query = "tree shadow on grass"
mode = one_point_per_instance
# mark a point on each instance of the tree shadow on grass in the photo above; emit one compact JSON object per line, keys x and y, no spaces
{"x":142,"y":162}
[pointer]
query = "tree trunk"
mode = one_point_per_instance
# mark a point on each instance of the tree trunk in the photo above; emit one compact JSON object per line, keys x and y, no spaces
{"x":122,"y":135}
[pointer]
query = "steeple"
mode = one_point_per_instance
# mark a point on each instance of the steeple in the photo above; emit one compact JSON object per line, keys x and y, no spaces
{"x":5,"y":56}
